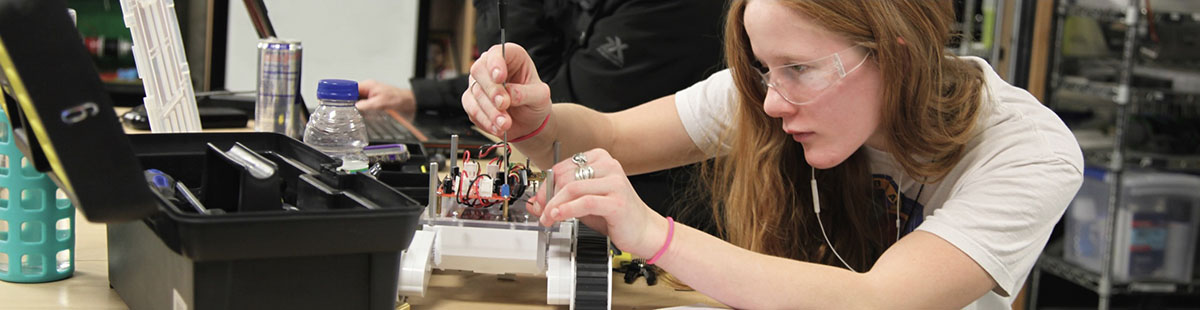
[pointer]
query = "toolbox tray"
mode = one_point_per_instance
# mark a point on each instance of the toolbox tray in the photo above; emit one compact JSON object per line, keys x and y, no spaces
{"x":340,"y":248}
{"x":331,"y":222}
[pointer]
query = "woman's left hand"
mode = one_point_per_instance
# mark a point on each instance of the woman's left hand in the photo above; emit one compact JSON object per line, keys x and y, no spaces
{"x":606,"y":202}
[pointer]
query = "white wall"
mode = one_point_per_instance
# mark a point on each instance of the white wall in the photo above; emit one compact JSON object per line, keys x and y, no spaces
{"x":345,"y":39}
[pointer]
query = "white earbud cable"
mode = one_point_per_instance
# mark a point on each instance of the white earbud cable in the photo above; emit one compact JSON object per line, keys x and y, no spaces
{"x":899,"y":199}
{"x":817,"y":209}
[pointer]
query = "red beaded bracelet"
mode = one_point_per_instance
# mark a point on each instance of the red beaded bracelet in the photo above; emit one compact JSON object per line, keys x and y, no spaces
{"x":670,"y":234}
{"x":534,"y":133}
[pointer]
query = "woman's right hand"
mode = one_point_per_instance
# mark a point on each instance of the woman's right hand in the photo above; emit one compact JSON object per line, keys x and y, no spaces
{"x":518,"y":107}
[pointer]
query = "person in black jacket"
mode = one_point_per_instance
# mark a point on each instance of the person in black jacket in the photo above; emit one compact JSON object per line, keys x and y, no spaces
{"x":597,"y":53}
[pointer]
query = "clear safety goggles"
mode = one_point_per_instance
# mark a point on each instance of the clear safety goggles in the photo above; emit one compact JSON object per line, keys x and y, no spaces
{"x":799,"y":83}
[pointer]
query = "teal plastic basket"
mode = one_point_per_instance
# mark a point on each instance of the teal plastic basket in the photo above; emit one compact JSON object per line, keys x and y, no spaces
{"x":37,"y":224}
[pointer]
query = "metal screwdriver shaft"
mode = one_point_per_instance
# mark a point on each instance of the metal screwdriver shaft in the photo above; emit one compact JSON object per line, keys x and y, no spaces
{"x":501,"y":10}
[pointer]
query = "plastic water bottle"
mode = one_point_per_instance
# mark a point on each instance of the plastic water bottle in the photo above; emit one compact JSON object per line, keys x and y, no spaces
{"x":336,"y":128}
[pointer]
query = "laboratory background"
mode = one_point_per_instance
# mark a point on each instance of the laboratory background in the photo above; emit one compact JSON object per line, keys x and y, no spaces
{"x":283,"y":195}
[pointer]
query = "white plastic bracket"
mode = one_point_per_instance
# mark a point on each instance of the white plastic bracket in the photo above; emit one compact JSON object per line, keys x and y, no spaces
{"x":560,"y":265}
{"x":415,"y":266}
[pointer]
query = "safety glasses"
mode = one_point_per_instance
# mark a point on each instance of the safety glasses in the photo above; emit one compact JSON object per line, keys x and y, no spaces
{"x":799,"y":83}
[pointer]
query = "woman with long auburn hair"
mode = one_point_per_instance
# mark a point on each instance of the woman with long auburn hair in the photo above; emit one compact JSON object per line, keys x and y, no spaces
{"x":940,"y":183}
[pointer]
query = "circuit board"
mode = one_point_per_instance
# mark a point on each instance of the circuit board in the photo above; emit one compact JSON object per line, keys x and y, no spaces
{"x":496,"y":191}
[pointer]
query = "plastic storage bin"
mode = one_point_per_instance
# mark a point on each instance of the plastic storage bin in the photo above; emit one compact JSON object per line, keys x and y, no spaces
{"x":1156,"y":225}
{"x":314,"y":240}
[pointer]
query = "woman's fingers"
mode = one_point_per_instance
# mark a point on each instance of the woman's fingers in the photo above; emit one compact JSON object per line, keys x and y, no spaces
{"x":490,"y":70}
{"x":601,"y":206}
{"x":485,"y":89}
{"x":535,"y":204}
{"x":473,"y":108}
{"x":578,"y":189}
{"x":605,"y":176}
{"x":501,"y":81}
{"x":487,"y":108}
{"x":527,"y":94}
{"x":601,"y":162}
{"x":533,"y":207}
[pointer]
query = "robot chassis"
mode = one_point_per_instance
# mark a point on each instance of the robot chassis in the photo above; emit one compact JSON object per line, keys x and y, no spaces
{"x":477,"y":222}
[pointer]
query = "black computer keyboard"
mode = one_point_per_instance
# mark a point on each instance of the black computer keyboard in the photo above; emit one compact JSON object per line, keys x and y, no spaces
{"x":381,"y":128}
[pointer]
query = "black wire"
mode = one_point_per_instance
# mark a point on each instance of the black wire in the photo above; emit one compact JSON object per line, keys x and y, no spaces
{"x":518,"y":189}
{"x":467,"y":196}
{"x":483,"y":148}
{"x":464,"y":196}
{"x":472,"y":185}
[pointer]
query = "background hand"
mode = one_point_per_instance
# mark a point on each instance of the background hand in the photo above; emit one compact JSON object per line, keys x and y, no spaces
{"x":379,"y":96}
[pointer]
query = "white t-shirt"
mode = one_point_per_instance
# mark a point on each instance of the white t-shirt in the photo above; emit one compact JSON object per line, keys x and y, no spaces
{"x":998,"y":205}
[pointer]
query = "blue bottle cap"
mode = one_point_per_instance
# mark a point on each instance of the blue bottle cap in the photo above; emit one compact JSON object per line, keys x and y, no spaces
{"x":337,"y":89}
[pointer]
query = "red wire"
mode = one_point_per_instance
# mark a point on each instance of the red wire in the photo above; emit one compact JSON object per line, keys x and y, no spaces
{"x":489,"y":150}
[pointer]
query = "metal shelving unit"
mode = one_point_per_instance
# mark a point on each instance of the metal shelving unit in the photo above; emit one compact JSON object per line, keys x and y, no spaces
{"x":1002,"y":52}
{"x":1126,"y":100}
{"x":1114,"y":91}
{"x":1100,"y":13}
{"x":1188,"y":163}
{"x":1052,"y":262}
{"x":1113,"y":10}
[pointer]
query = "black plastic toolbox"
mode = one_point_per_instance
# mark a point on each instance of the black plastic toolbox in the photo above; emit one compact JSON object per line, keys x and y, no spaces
{"x":338,"y":249}
{"x":303,"y":237}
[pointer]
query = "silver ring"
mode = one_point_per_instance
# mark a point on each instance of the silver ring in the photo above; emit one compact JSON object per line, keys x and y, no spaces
{"x":472,"y":86}
{"x":579,"y":159}
{"x":584,"y":173}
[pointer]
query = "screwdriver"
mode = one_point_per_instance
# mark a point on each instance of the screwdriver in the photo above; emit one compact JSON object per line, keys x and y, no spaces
{"x":501,"y":11}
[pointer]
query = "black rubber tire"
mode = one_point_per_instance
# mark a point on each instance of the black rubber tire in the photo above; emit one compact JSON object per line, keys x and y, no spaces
{"x":593,"y":270}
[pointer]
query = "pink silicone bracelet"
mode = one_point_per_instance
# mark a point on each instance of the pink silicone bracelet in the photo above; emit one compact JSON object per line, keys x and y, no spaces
{"x":670,"y":234}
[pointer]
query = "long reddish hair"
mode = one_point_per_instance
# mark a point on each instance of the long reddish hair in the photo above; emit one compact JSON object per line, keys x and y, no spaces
{"x":930,"y":103}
